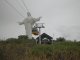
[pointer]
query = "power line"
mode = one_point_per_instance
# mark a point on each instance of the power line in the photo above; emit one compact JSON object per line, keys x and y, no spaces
{"x":25,"y":5}
{"x":20,"y":5}
{"x":13,"y":7}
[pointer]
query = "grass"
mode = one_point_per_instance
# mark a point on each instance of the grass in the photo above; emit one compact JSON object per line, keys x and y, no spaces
{"x":57,"y":51}
{"x":25,"y":49}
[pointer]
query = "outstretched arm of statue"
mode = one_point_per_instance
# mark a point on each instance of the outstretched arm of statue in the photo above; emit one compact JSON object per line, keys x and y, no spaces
{"x":20,"y":23}
{"x":37,"y":19}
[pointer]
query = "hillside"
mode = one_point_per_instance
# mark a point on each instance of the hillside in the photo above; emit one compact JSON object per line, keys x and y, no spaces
{"x":25,"y":49}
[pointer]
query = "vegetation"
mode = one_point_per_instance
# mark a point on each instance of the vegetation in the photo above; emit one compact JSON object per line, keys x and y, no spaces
{"x":26,"y":49}
{"x":60,"y":39}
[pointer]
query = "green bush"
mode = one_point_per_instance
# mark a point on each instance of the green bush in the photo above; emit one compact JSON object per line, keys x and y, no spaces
{"x":22,"y":37}
{"x":60,"y":39}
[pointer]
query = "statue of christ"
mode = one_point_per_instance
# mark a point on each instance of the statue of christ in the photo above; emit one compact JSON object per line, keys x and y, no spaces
{"x":28,"y":23}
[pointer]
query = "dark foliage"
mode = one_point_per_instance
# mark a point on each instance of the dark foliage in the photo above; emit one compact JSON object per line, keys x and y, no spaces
{"x":22,"y":37}
{"x":60,"y":39}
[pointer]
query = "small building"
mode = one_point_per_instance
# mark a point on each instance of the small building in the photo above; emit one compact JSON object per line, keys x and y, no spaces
{"x":45,"y":39}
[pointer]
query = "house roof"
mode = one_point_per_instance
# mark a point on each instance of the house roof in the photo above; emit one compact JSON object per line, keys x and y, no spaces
{"x":44,"y":35}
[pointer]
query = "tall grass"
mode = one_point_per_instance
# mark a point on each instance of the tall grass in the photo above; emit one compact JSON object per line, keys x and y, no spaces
{"x":25,"y":49}
{"x":57,"y":51}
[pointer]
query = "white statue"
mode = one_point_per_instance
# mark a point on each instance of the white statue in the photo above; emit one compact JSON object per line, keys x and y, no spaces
{"x":28,"y":23}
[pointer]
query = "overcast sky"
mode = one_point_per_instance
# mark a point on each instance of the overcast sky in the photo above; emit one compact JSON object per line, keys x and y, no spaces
{"x":61,"y":17}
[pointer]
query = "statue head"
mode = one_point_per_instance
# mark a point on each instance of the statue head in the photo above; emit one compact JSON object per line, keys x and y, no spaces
{"x":28,"y":14}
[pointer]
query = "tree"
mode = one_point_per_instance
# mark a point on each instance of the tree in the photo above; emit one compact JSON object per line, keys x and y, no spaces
{"x":60,"y":39}
{"x":22,"y":37}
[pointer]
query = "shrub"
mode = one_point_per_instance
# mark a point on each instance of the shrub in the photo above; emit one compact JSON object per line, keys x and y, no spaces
{"x":60,"y":39}
{"x":22,"y":37}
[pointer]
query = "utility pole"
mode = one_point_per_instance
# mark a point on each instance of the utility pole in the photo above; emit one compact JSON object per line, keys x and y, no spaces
{"x":53,"y":37}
